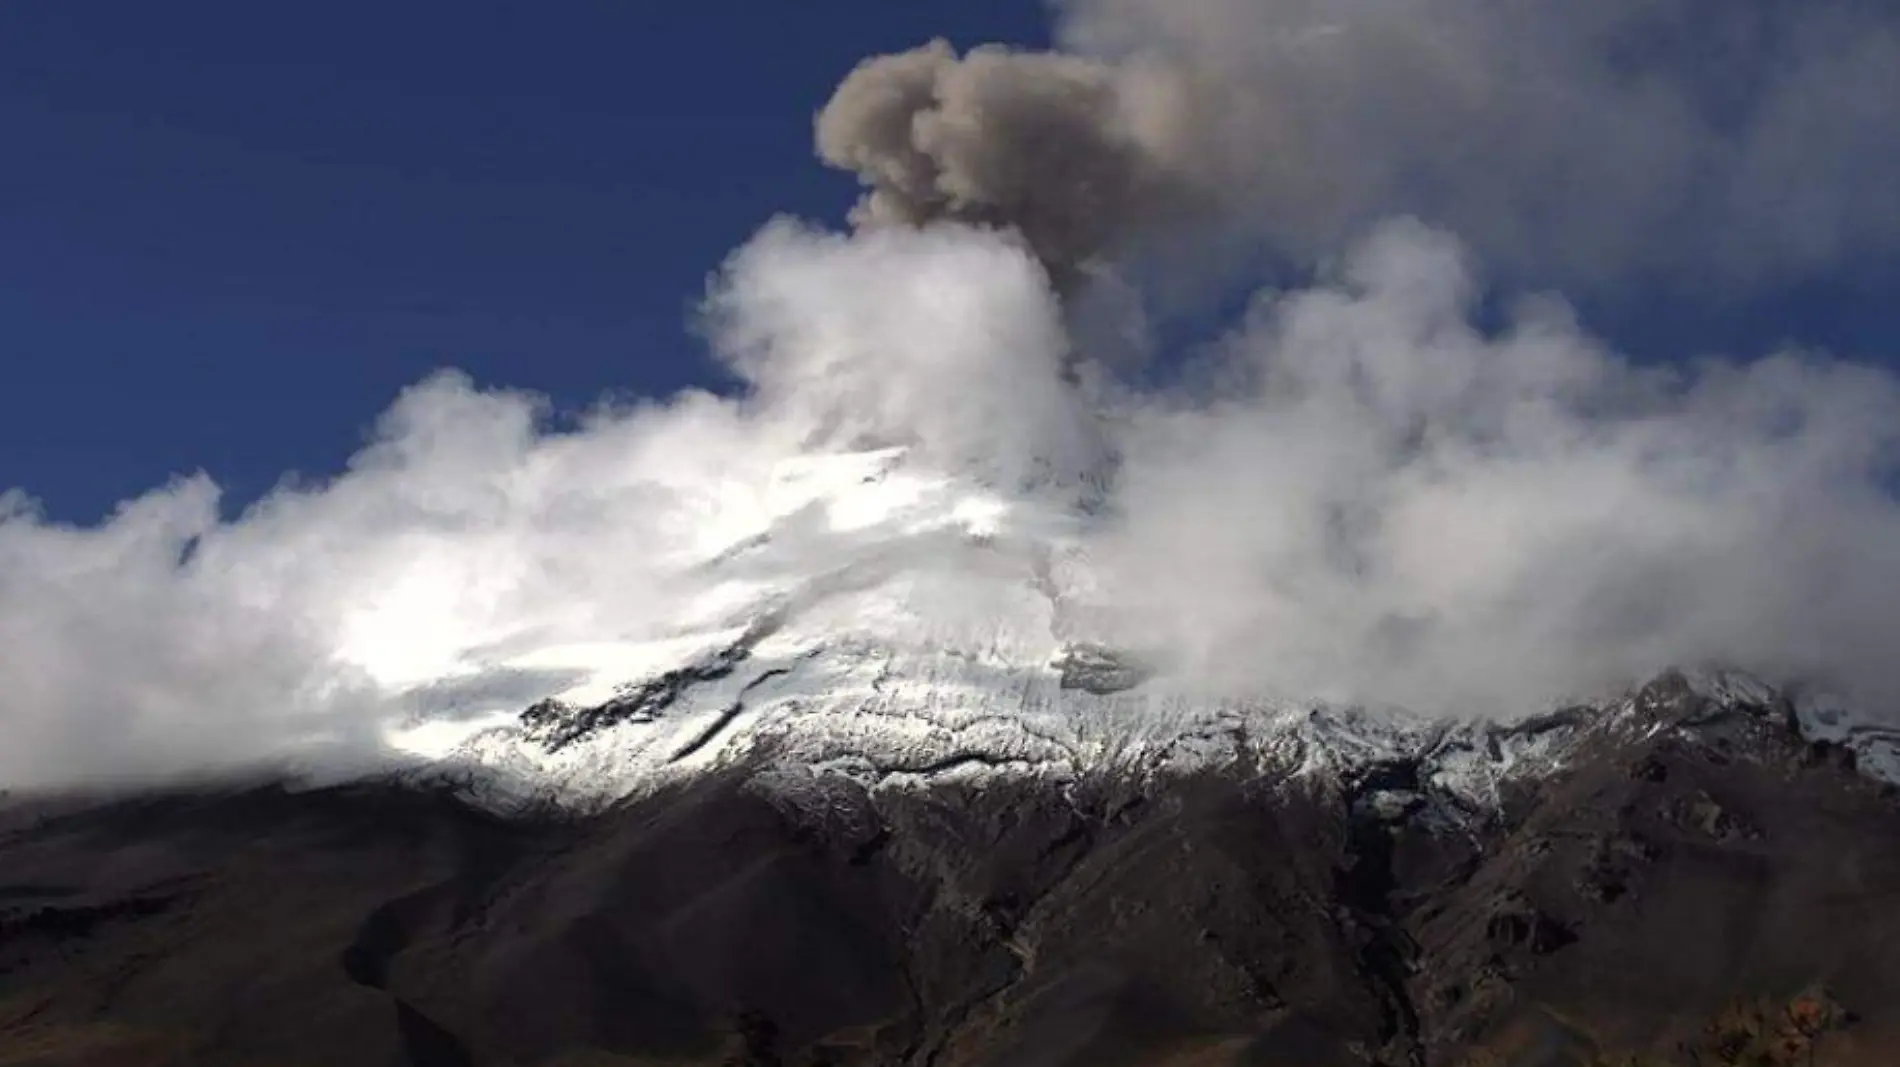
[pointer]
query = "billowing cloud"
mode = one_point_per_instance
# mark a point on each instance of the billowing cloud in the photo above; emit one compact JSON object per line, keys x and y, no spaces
{"x":1382,"y":502}
{"x":470,"y":550}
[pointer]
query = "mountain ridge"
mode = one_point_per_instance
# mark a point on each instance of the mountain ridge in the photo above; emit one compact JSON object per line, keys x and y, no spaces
{"x":575,"y":755}
{"x":871,"y":618}
{"x":1685,"y":879}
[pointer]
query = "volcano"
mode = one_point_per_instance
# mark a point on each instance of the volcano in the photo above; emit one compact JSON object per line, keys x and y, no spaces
{"x":829,"y":826}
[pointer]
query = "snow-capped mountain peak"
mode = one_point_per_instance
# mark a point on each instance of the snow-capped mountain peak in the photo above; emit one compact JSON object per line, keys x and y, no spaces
{"x":883,"y":622}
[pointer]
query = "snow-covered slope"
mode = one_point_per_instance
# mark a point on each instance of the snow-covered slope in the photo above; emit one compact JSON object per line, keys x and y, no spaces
{"x":897,"y":628}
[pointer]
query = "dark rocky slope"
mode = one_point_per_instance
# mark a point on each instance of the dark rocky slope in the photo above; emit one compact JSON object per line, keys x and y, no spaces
{"x":1720,"y":894}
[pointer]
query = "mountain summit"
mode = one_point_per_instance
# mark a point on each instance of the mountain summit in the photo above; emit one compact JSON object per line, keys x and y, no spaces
{"x":899,"y":629}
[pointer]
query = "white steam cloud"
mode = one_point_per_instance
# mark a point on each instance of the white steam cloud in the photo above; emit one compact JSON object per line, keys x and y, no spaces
{"x":1382,"y":503}
{"x":1358,"y":494}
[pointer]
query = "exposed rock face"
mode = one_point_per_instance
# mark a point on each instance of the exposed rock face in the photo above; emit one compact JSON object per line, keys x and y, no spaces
{"x":1688,"y":881}
{"x":1099,"y":670}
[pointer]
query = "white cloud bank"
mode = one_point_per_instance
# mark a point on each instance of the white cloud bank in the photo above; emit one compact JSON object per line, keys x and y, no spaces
{"x":1366,"y":498}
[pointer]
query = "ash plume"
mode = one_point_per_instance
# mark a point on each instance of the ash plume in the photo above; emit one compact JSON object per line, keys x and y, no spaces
{"x":1051,"y":146}
{"x":1582,"y":145}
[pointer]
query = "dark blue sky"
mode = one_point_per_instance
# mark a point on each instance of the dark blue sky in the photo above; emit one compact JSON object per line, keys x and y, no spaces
{"x":231,"y":231}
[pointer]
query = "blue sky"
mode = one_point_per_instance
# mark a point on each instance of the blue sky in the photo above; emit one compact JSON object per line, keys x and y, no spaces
{"x":230,"y":232}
